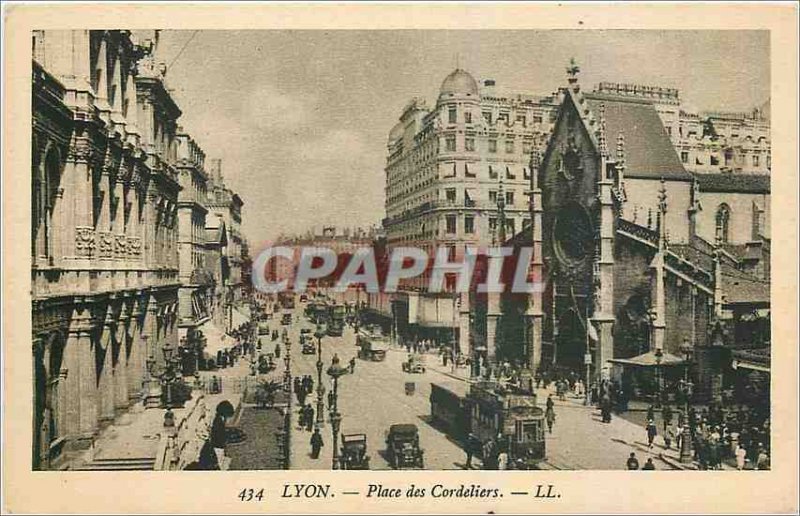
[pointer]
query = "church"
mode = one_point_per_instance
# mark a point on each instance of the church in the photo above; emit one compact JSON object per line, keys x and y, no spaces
{"x":652,"y":273}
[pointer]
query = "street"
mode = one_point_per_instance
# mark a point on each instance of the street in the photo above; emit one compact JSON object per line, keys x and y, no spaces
{"x":374,"y":398}
{"x":370,"y":400}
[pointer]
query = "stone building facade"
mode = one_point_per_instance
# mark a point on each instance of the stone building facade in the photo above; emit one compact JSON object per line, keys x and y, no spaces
{"x":224,"y":222}
{"x":639,"y":258}
{"x":104,"y":226}
{"x":446,"y":168}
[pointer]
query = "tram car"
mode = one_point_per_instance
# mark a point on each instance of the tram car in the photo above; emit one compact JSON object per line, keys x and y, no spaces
{"x":488,"y":410}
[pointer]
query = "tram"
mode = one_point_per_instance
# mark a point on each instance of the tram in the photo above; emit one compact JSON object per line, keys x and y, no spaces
{"x":489,"y":410}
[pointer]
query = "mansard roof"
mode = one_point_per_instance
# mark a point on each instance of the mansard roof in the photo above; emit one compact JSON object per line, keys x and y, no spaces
{"x":733,"y":182}
{"x":648,"y":150}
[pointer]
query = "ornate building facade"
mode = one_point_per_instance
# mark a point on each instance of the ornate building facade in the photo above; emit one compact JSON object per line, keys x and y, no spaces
{"x":640,"y":259}
{"x":447,"y":167}
{"x":103,"y":237}
{"x":224,"y":222}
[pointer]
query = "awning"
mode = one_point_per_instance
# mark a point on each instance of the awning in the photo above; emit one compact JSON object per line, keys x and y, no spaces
{"x":216,"y":339}
{"x":649,"y":359}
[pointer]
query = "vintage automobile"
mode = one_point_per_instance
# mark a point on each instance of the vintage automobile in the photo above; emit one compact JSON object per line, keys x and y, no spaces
{"x":263,"y":328}
{"x":275,"y":335}
{"x":414,"y":364}
{"x":402,"y":446}
{"x":286,"y":319}
{"x":309,"y":348}
{"x":354,"y":452}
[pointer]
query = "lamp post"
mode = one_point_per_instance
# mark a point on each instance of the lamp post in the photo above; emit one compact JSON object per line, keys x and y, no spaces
{"x":659,"y":356}
{"x":686,"y":436}
{"x":287,"y":372}
{"x":169,"y":373}
{"x":319,"y":333}
{"x":335,"y":371}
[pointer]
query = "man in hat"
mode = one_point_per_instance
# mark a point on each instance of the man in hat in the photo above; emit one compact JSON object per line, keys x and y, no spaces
{"x":316,"y":444}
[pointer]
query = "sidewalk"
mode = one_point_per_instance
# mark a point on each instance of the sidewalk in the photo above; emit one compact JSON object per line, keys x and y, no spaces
{"x":137,"y":433}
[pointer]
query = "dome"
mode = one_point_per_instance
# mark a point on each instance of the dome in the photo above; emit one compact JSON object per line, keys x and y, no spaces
{"x":459,"y":83}
{"x":397,"y":132}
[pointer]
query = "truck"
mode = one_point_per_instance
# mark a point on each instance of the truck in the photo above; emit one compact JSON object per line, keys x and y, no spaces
{"x":336,"y":315}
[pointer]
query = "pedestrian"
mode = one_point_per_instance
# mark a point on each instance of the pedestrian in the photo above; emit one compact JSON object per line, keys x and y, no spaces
{"x":632,"y":462}
{"x":219,"y":437}
{"x":651,"y":413}
{"x":472,"y":447}
{"x":651,"y":432}
{"x":549,"y":403}
{"x":309,"y":417}
{"x":316,"y":444}
{"x":669,"y":436}
{"x":762,"y":463}
{"x":352,"y":365}
{"x":502,"y":460}
{"x":330,"y":400}
{"x":550,"y":417}
{"x":649,"y":466}
{"x":666,"y":415}
{"x":741,"y":455}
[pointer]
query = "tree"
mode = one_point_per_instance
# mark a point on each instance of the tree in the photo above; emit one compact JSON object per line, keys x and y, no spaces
{"x":265,"y":393}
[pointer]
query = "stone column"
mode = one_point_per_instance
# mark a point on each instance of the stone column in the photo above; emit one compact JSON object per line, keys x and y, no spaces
{"x":105,"y":383}
{"x":121,"y":367}
{"x":88,"y":393}
{"x":463,"y":325}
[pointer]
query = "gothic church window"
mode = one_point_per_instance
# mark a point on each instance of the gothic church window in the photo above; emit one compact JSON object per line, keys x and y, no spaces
{"x":723,"y":222}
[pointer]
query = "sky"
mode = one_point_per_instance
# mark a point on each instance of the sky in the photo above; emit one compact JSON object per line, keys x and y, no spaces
{"x":300,"y":118}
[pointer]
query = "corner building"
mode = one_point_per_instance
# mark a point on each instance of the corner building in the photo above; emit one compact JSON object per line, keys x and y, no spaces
{"x":447,"y":168}
{"x":104,"y":275}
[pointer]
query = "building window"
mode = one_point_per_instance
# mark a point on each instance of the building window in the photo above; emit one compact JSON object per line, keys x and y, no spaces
{"x":502,"y":117}
{"x":526,"y":147}
{"x":450,"y":222}
{"x":684,"y":157}
{"x":469,"y":224}
{"x":487,"y":115}
{"x":468,"y":117}
{"x":492,"y":224}
{"x":526,"y":222}
{"x":493,"y":196}
{"x":723,"y":222}
{"x":537,"y":119}
{"x":510,"y":198}
{"x":492,"y":145}
{"x":526,"y":173}
{"x":522,"y":120}
{"x":755,"y":160}
{"x":450,"y":194}
{"x":492,"y":173}
{"x":509,"y":174}
{"x":728,"y":157}
{"x":669,"y":131}
{"x":467,"y":172}
{"x":469,"y":144}
{"x":511,"y":227}
{"x":450,"y":143}
{"x":509,"y":146}
{"x":451,"y":115}
{"x":714,"y":160}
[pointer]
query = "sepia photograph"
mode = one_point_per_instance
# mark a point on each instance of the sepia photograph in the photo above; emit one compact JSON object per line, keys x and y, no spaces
{"x":417,"y":249}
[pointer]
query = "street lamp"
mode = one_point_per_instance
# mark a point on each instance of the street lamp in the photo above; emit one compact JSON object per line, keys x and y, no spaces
{"x":169,"y":373}
{"x":287,"y":372}
{"x":686,"y":436}
{"x":319,"y":333}
{"x":659,"y":356}
{"x":335,"y":371}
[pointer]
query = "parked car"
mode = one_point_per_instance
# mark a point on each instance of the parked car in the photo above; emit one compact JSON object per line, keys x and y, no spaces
{"x":309,"y":348}
{"x":402,"y":446}
{"x":414,"y":364}
{"x":354,"y":452}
